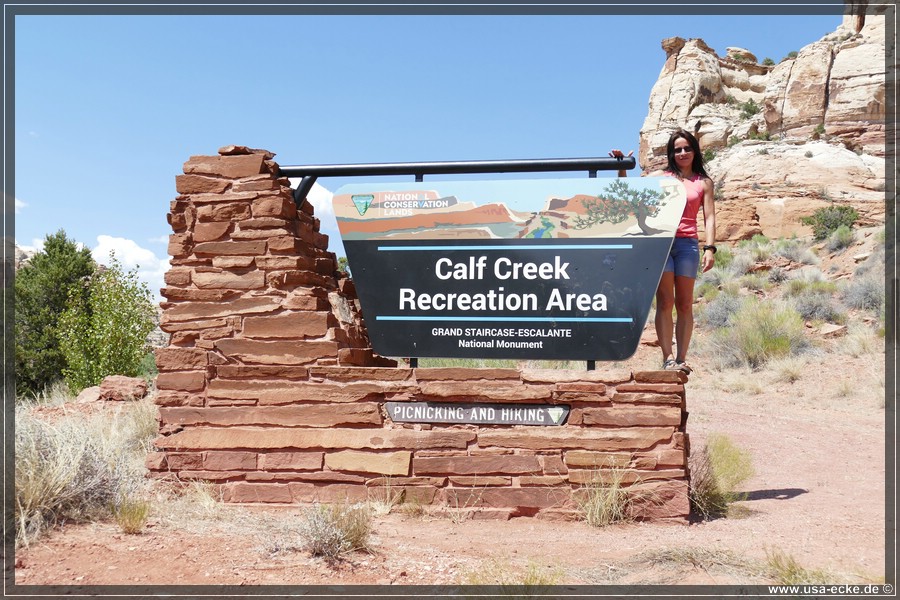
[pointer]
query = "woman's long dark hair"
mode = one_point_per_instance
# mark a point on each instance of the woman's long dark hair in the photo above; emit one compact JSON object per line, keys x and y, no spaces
{"x":696,"y":164}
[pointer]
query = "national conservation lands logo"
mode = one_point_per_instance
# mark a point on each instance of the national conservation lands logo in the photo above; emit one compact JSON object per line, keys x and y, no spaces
{"x":362,"y":202}
{"x":554,"y":269}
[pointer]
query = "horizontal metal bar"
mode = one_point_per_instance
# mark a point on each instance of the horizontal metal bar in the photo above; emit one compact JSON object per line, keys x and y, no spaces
{"x":457,"y":167}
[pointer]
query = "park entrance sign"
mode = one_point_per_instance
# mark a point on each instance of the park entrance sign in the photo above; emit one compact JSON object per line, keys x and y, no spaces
{"x":518,"y":268}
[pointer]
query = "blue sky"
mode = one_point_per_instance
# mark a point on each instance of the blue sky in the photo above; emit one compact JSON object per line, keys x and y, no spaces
{"x":108,"y":108}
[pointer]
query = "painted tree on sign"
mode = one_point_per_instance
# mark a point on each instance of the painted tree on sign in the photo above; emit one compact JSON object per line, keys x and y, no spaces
{"x":619,"y":202}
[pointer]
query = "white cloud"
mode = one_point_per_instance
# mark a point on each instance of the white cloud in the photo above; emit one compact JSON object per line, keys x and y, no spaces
{"x":19,"y":205}
{"x":321,"y":199}
{"x":150,"y":268}
{"x":162,"y":239}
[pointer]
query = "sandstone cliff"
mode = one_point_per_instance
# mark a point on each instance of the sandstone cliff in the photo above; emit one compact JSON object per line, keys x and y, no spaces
{"x":783,"y":139}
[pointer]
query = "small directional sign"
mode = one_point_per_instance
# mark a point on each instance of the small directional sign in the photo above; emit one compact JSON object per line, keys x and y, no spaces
{"x":477,"y":414}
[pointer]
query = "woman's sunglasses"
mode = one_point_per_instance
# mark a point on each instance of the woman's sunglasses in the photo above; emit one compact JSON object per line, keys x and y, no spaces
{"x":683,"y":151}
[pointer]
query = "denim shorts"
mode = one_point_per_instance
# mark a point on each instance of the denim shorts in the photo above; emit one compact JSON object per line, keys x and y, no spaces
{"x":684,"y":258}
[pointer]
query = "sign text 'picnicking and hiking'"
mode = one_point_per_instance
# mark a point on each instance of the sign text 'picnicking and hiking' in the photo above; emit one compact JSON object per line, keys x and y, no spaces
{"x":539,"y":269}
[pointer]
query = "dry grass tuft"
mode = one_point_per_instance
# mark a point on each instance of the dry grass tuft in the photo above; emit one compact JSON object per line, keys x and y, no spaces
{"x":332,"y":531}
{"x":533,"y":580}
{"x":785,"y":570}
{"x":717,"y":471}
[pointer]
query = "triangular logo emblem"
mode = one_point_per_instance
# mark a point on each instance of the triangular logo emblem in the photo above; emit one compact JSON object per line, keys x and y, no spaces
{"x":555,"y":413}
{"x":362,"y":202}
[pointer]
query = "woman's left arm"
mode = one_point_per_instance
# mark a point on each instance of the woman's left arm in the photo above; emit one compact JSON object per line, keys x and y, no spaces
{"x":709,"y":220}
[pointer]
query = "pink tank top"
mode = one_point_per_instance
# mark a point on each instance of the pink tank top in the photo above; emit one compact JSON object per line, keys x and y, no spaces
{"x":687,"y":228}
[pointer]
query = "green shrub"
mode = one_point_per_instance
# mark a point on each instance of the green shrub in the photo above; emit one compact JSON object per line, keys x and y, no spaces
{"x":733,"y":140}
{"x":717,"y":472}
{"x":106,"y":332}
{"x":808,"y":154}
{"x":724,"y":256}
{"x":767,"y":61}
{"x":796,"y":287}
{"x":754,"y":281}
{"x":331,"y":531}
{"x":749,"y":108}
{"x":840,"y":238}
{"x":827,"y":219}
{"x":708,"y":155}
{"x":42,"y":288}
{"x":758,"y":332}
{"x":795,"y":251}
{"x":789,"y":55}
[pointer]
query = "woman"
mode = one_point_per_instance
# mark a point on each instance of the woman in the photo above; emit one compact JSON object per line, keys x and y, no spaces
{"x":676,"y":287}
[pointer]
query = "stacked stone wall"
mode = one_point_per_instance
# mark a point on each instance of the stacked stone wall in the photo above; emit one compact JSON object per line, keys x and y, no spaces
{"x":269,"y":389}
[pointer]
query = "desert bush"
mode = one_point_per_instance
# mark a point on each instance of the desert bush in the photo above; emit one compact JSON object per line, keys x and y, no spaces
{"x":827,"y":219}
{"x":840,"y":238}
{"x":749,"y":108}
{"x":717,"y":471}
{"x":75,"y":468}
{"x":754,"y":281}
{"x":795,"y":251}
{"x":768,"y":61}
{"x":333,"y":530}
{"x":777,"y":275}
{"x":720,"y":311}
{"x":741,"y":263}
{"x":813,"y":306}
{"x":758,"y":332}
{"x":865,"y":293}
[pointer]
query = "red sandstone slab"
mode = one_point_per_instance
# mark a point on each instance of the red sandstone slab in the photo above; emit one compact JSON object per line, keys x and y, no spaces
{"x":231,"y":167}
{"x":632,"y":416}
{"x":174,"y":294}
{"x":261,"y":371}
{"x":659,"y":388}
{"x":293,"y":392}
{"x":378,"y":463}
{"x":180,"y":359}
{"x":202,"y":199}
{"x":198,"y":184}
{"x":481,"y":465}
{"x":621,"y":476}
{"x":185,"y":381}
{"x":519,"y":498}
{"x":232,"y":262}
{"x":487,"y":480}
{"x":659,"y":501}
{"x":328,"y":493}
{"x":497,"y":391}
{"x":581,"y":386}
{"x":573,"y":375}
{"x":320,"y":415}
{"x":207,"y":232}
{"x":252,"y":280}
{"x":210,"y":310}
{"x":243,"y":492}
{"x":287,"y":325}
{"x":253,"y":248}
{"x":227,"y":212}
{"x":631,"y":438}
{"x":229,"y":461}
{"x":463,"y":374}
{"x":283,"y":353}
{"x":350,"y":374}
{"x":660,"y":377}
{"x":645,"y":398}
{"x":294,"y":461}
{"x":273,"y":206}
{"x":273,"y":438}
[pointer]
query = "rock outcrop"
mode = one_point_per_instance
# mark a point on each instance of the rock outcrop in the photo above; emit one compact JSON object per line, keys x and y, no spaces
{"x":780,"y":140}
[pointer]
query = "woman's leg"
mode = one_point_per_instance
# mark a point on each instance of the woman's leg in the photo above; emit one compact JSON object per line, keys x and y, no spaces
{"x":665,"y":301}
{"x":684,"y":309}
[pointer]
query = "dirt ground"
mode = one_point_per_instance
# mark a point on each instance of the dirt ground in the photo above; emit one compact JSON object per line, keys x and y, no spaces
{"x":817,"y":496}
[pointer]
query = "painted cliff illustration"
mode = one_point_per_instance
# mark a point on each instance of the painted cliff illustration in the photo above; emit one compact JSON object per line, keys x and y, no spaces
{"x":511,"y":209}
